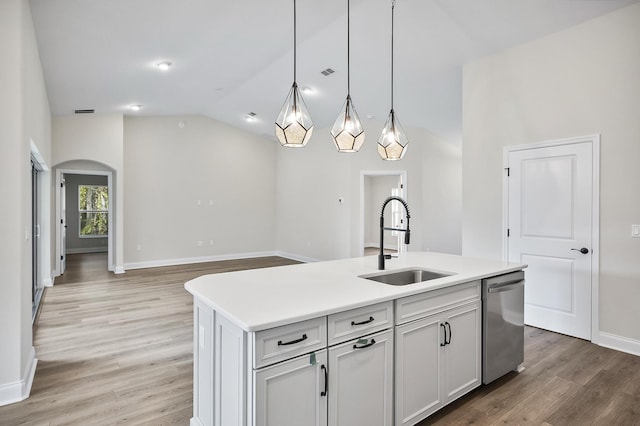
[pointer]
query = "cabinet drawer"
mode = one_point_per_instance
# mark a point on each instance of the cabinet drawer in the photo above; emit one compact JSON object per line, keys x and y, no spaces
{"x":421,"y":305}
{"x":281,"y":343}
{"x":359,"y":322}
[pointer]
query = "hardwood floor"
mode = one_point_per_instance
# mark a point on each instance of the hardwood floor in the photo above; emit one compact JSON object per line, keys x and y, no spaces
{"x":566,"y":381}
{"x":117,"y":349}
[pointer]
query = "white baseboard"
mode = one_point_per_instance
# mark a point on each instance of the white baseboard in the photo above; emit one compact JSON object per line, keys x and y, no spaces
{"x":48,"y":282}
{"x":195,"y":422}
{"x":87,"y":250}
{"x":299,"y":258}
{"x":619,"y":343}
{"x":20,"y":390}
{"x":189,"y":260}
{"x":119,"y":270}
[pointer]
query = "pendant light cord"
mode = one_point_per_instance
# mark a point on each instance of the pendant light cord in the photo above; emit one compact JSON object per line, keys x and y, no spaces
{"x":348,"y":48}
{"x":393,"y":5}
{"x":294,"y":42}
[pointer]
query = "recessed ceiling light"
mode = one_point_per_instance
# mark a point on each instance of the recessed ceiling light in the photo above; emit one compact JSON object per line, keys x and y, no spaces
{"x":250,"y":117}
{"x":327,"y":72}
{"x":164,"y":66}
{"x":307,"y":90}
{"x":135,"y":107}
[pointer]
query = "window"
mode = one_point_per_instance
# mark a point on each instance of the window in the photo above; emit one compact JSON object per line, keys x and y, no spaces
{"x":93,"y":211}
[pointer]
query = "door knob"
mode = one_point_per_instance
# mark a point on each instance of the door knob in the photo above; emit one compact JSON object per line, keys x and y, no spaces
{"x":582,"y":250}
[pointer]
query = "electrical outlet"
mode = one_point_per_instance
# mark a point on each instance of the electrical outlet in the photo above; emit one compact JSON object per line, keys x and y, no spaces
{"x":200,"y":243}
{"x":139,"y":247}
{"x":635,"y":231}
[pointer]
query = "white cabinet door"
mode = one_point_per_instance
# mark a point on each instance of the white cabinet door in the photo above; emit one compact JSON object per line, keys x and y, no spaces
{"x":292,"y":393}
{"x":361,"y":381}
{"x":438,"y":359}
{"x":418,"y":363}
{"x":463,"y":350}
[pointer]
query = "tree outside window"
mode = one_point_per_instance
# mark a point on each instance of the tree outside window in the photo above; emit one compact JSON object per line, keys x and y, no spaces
{"x":94,"y":211}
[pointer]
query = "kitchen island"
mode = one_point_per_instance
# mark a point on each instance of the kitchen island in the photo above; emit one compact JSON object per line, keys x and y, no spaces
{"x":318,"y":344}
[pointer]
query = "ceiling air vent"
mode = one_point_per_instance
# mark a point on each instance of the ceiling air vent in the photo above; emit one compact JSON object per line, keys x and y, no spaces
{"x":327,"y":72}
{"x":84,"y":111}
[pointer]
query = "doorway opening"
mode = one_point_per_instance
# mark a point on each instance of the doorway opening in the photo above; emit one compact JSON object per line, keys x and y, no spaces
{"x":375,"y":187}
{"x":36,"y":282}
{"x":84,"y":215}
{"x":40,"y":228}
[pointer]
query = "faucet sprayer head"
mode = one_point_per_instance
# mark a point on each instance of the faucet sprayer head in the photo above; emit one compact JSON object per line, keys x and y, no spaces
{"x":407,"y":236}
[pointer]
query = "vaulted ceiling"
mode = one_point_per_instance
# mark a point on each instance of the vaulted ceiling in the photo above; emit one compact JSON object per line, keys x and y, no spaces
{"x":235,"y":57}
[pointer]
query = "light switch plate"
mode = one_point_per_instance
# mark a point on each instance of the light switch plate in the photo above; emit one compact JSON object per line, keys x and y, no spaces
{"x":635,"y":231}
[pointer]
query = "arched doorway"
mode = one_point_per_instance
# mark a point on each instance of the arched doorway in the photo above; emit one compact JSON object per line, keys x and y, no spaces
{"x":95,"y":174}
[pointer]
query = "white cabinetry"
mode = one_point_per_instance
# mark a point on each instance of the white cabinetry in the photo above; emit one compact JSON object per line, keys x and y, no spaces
{"x":438,"y":353}
{"x":361,"y":381}
{"x":349,"y":368}
{"x":293,"y":392}
{"x":332,"y":383}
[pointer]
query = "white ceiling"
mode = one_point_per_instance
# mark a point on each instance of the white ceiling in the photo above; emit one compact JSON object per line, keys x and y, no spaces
{"x":235,"y":57}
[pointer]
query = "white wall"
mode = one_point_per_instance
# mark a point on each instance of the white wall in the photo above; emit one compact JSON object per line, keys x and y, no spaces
{"x":312,"y":224}
{"x":169,"y":169}
{"x":24,"y":117}
{"x":584,"y":80}
{"x":442,"y":197}
{"x":376,"y":190}
{"x":75,"y":244}
{"x":98,"y":138}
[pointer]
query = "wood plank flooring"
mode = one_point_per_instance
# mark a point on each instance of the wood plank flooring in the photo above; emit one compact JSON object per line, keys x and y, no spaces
{"x":117,"y":349}
{"x":566,"y":381}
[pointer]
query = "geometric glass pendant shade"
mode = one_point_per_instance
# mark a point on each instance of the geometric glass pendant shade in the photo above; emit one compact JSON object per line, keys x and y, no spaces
{"x":347,"y":131}
{"x":294,"y":126}
{"x":393,"y":141}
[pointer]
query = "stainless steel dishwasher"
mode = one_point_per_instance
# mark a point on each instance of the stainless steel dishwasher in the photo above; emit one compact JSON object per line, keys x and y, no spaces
{"x":502,"y":325}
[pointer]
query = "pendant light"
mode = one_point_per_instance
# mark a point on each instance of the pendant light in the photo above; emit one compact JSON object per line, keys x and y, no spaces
{"x":393,"y":141}
{"x":294,"y":126}
{"x":347,"y":131}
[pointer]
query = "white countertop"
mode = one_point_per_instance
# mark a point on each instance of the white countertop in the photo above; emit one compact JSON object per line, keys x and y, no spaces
{"x":258,"y":299}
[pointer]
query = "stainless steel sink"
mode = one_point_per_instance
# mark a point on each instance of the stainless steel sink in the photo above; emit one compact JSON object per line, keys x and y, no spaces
{"x":405,"y":276}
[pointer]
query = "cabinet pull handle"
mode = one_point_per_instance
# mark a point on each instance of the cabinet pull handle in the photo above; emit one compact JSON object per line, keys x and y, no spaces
{"x":371,"y":343}
{"x":445,"y":334}
{"x":326,"y":381}
{"x":449,"y":326}
{"x":292,"y":342}
{"x":362,"y":322}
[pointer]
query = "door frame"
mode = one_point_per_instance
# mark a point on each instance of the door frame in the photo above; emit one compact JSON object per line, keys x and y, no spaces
{"x":363,"y":174}
{"x":59,"y":249}
{"x":594,"y":140}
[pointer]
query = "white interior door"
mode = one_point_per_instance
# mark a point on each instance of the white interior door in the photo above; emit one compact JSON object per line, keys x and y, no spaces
{"x":550,"y":213}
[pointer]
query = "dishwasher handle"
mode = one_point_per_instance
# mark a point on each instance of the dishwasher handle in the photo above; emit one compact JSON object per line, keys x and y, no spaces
{"x":505,"y":287}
